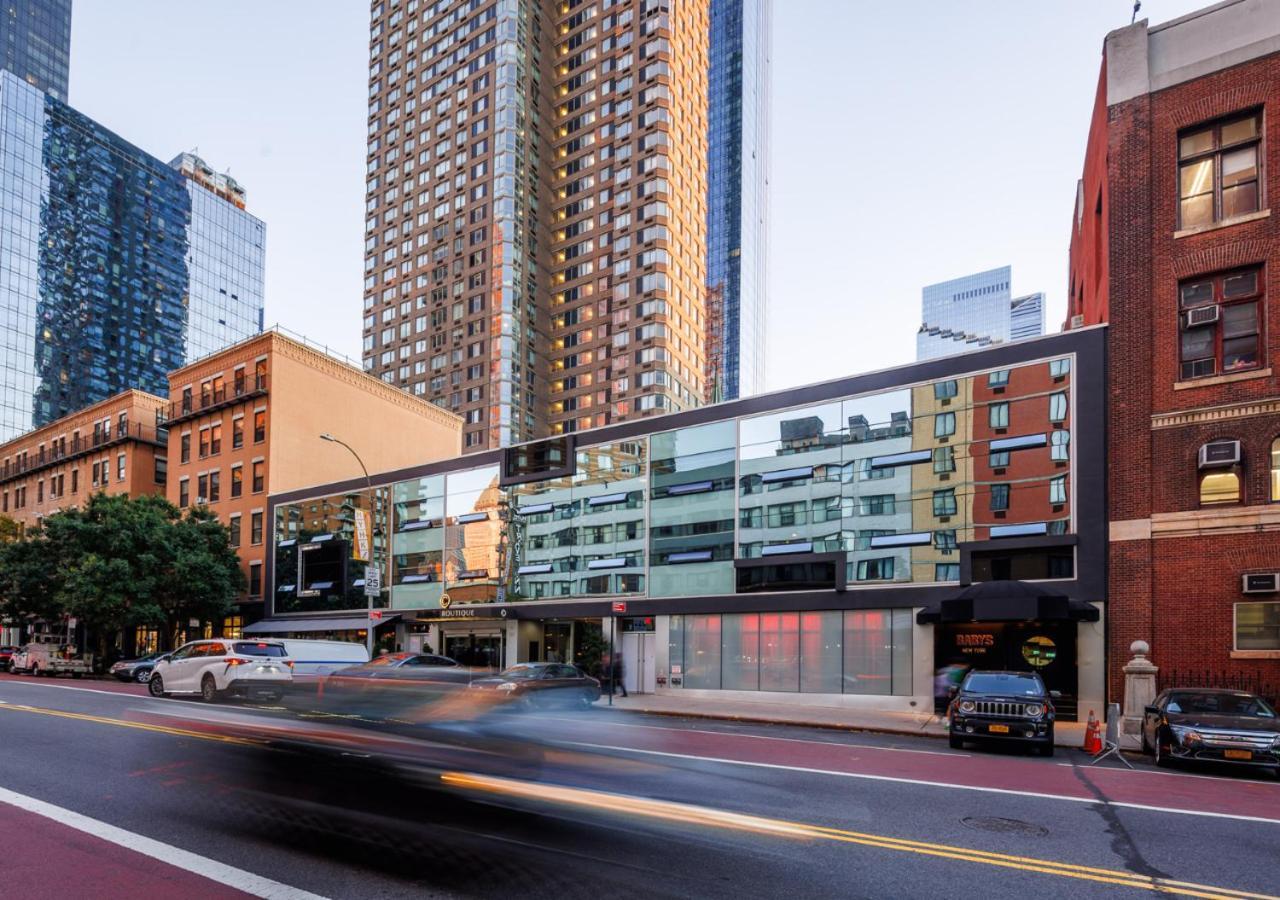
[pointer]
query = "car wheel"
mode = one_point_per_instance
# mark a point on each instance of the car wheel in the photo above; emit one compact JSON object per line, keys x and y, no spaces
{"x":956,"y":742}
{"x":76,"y":674}
{"x":156,"y":686}
{"x":1162,"y":759}
{"x":208,"y":689}
{"x":143,"y":676}
{"x":585,"y":700}
{"x":1146,"y":747}
{"x":35,"y":671}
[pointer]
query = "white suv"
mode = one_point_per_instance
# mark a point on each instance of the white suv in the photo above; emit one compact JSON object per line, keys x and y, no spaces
{"x":212,"y":668}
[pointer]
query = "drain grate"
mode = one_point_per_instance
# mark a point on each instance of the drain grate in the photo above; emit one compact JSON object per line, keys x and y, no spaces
{"x":1003,"y":826}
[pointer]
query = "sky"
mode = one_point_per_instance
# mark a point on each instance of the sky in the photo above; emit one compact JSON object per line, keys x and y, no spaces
{"x":912,"y":143}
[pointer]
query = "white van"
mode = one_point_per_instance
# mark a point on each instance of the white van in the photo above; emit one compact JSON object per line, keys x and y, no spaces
{"x":323,"y":657}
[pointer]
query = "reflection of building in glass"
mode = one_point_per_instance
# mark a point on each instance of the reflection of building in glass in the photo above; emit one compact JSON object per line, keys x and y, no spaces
{"x":799,"y":542}
{"x":35,"y":43}
{"x":110,"y":265}
{"x":976,"y":311}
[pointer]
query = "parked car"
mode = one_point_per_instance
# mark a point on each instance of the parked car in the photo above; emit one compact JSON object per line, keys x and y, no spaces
{"x":138,"y":670}
{"x":323,"y":657}
{"x":533,"y":684}
{"x":51,"y":657}
{"x":6,"y":654}
{"x":1208,"y":725}
{"x":211,"y":669}
{"x":1010,"y":707}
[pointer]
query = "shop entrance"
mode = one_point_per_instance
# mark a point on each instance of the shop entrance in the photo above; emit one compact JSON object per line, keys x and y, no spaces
{"x":1048,"y":648}
{"x":638,"y":665}
{"x":480,"y":649}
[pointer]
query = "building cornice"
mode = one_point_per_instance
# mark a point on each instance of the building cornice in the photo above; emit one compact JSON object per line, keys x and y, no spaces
{"x":1208,"y":414}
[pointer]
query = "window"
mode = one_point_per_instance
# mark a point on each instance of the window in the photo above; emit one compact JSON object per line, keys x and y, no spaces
{"x":998,"y":379}
{"x":120,"y":467}
{"x":944,"y":502}
{"x":1257,"y":626}
{"x":999,"y":497}
{"x":237,"y":432}
{"x":945,"y":390}
{"x":202,"y":488}
{"x":1220,"y":324}
{"x":999,"y":459}
{"x":259,"y":476}
{"x":1219,"y":487}
{"x":185,"y":449}
{"x":237,"y":481}
{"x":215,"y":486}
{"x":1275,"y":472}
{"x":945,"y":540}
{"x":944,"y":460}
{"x":876,"y":505}
{"x":1058,"y":489}
{"x":204,"y":442}
{"x":875,"y":569}
{"x":184,"y":492}
{"x":1058,"y":368}
{"x":233,"y":526}
{"x":946,"y":572}
{"x":255,"y":578}
{"x":998,"y":415}
{"x":215,"y":439}
{"x":1058,"y":407}
{"x":1058,"y":441}
{"x":944,"y":424}
{"x":1218,"y":170}
{"x":260,"y":426}
{"x":255,"y":528}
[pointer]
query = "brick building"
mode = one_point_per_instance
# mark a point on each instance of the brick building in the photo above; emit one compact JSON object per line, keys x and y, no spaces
{"x":1173,"y":243}
{"x":247,"y":421}
{"x":111,"y":446}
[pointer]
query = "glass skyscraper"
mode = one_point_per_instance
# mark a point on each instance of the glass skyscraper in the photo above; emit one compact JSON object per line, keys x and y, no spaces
{"x":114,"y":267}
{"x":975,"y":311}
{"x":35,"y":43}
{"x":737,"y":196}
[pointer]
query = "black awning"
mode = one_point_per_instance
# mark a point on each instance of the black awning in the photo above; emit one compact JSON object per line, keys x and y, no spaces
{"x":321,"y":624}
{"x":1007,"y":601}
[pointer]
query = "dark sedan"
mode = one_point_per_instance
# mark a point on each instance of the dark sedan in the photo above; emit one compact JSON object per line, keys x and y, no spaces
{"x":1003,"y":706}
{"x":138,"y":670}
{"x":405,"y":667}
{"x":1211,"y":725}
{"x":6,"y":654}
{"x":530,"y":685}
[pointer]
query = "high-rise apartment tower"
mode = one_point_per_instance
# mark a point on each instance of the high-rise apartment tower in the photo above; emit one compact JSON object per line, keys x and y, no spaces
{"x":536,"y":231}
{"x":35,"y":43}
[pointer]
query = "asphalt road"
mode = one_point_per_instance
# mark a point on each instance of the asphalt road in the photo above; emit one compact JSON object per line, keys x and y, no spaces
{"x":622,"y":805}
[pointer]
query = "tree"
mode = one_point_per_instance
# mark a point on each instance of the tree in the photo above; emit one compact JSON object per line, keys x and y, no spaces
{"x":121,"y":562}
{"x":10,"y":530}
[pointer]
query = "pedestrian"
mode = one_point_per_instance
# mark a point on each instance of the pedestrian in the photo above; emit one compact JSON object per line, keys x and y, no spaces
{"x":618,"y":675}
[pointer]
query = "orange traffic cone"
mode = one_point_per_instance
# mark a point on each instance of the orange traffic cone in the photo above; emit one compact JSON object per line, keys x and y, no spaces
{"x":1093,"y":736}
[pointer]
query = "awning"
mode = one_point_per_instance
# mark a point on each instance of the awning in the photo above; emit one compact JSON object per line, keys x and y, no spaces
{"x":1007,"y":601}
{"x":328,"y":623}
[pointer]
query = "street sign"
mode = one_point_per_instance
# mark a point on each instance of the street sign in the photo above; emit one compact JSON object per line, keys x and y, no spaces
{"x":619,"y":606}
{"x":375,"y":614}
{"x":372,"y":581}
{"x":71,"y":623}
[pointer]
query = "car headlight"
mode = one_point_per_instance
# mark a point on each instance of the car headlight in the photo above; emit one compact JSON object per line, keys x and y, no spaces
{"x":508,"y":686}
{"x":967,"y":706}
{"x":1185,"y":735}
{"x":1034,"y":710}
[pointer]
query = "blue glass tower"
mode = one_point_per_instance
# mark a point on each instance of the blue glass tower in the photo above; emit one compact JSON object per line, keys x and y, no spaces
{"x":35,"y":43}
{"x":98,"y":248}
{"x":738,"y":191}
{"x":974,"y":311}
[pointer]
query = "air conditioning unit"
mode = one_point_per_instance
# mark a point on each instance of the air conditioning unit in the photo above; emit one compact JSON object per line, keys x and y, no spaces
{"x":1077,"y":321}
{"x":1202,"y":315}
{"x":1219,"y":454}
{"x":1261,"y":583}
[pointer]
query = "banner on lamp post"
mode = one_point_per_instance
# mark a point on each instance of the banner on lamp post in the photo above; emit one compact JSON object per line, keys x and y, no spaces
{"x":360,"y":546}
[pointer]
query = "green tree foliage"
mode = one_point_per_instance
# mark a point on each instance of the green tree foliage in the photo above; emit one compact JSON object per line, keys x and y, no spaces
{"x":120,"y":562}
{"x":10,"y":530}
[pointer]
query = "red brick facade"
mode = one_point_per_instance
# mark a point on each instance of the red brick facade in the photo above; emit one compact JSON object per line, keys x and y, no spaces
{"x":1175,"y":564}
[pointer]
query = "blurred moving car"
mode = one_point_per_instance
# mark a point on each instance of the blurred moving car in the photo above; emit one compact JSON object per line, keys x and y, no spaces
{"x":1005,"y":707}
{"x":6,"y":654}
{"x":323,"y":657}
{"x":533,"y":684}
{"x":1211,"y":725}
{"x":138,"y":670}
{"x":217,"y":667}
{"x":406,"y":666}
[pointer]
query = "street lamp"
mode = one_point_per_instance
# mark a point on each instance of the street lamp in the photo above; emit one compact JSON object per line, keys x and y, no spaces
{"x":372,"y":561}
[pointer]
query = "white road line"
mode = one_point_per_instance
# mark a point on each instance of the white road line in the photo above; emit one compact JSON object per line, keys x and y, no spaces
{"x":67,"y":687}
{"x":766,"y":737}
{"x":924,"y":783}
{"x":257,"y":885}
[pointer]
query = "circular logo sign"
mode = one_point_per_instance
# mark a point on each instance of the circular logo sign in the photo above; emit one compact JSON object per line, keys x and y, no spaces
{"x":1039,"y":651}
{"x":445,"y":600}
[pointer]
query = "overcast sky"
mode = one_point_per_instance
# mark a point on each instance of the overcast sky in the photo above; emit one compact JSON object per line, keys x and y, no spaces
{"x":913,"y":142}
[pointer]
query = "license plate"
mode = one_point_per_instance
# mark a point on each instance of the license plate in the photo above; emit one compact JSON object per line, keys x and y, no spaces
{"x":998,"y":729}
{"x":1238,"y":754}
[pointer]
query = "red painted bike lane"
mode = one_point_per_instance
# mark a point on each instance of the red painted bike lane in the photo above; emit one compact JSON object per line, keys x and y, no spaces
{"x":1141,"y":787}
{"x":43,"y":858}
{"x":106,"y":685}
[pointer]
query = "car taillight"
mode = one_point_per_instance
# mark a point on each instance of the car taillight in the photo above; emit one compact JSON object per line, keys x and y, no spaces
{"x":289,"y":663}
{"x":237,"y":661}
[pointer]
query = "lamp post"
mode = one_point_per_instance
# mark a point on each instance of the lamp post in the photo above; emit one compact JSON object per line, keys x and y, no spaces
{"x":369,"y":487}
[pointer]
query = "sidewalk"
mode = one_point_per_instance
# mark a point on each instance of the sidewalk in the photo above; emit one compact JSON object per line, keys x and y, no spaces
{"x":1066,"y":734}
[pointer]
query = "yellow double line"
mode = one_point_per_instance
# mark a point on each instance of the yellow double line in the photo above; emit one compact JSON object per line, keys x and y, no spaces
{"x":687,"y":814}
{"x":124,"y":723}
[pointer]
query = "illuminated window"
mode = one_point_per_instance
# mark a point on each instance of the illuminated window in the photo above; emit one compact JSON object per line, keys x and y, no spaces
{"x":1219,"y":487}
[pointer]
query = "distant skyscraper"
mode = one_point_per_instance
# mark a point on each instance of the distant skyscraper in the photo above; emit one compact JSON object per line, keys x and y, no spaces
{"x":114,"y":268}
{"x":738,"y":195}
{"x":35,"y":43}
{"x":975,"y":311}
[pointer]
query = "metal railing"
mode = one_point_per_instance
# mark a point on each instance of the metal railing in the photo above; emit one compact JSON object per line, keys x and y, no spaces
{"x":65,"y":451}
{"x":212,"y":399}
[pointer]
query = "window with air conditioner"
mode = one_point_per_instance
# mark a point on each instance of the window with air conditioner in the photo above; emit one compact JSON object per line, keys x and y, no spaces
{"x":1221,"y":323}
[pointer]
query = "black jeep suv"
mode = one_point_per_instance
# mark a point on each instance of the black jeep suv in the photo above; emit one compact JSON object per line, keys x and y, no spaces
{"x":1003,"y":706}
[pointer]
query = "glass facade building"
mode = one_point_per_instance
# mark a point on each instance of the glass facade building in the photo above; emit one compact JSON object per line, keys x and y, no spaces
{"x":35,"y":43}
{"x":114,"y":269}
{"x":738,"y":192}
{"x":976,"y":311}
{"x":783,"y":542}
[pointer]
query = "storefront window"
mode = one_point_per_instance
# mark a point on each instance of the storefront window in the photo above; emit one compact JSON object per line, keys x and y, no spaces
{"x":779,"y":651}
{"x":702,"y":652}
{"x":820,"y":652}
{"x":320,"y":566}
{"x":417,"y":543}
{"x":740,"y":656}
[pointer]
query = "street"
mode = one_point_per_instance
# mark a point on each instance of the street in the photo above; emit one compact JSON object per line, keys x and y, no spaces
{"x":106,"y":792}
